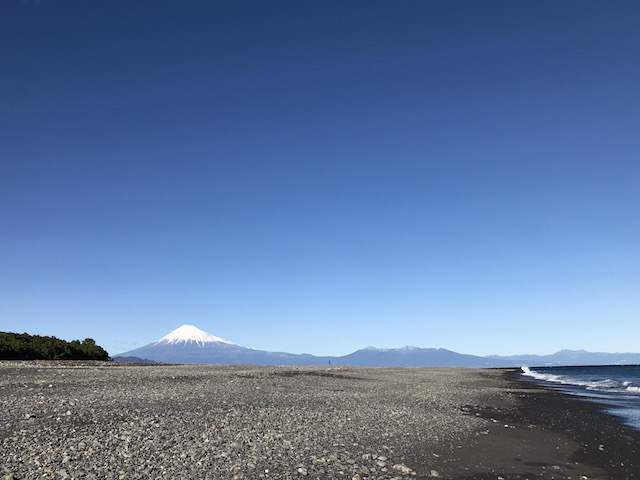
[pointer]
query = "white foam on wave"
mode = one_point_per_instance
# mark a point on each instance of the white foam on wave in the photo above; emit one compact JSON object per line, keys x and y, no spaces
{"x":606,"y":385}
{"x":541,"y":376}
{"x":632,"y":388}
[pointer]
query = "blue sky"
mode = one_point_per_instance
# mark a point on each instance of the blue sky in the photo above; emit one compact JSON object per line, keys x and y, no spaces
{"x":320,"y":176}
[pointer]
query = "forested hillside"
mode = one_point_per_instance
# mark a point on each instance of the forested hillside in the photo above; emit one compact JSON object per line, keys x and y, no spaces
{"x":22,"y":346}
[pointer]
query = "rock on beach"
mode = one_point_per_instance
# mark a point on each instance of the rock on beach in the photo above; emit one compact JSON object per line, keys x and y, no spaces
{"x":93,"y":420}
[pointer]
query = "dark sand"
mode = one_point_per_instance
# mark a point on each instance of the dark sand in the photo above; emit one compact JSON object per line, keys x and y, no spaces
{"x":548,"y":435}
{"x":93,"y":421}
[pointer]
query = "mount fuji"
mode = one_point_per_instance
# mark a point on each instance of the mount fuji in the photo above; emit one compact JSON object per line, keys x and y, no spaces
{"x":189,"y":344}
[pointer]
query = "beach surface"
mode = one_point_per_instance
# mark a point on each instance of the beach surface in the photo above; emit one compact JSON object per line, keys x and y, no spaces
{"x":106,"y":420}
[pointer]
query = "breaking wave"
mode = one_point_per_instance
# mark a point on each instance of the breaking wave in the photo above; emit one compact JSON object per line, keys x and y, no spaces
{"x":609,"y":385}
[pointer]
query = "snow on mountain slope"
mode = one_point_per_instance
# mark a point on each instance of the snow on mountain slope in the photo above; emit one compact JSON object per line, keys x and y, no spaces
{"x":190,"y":334}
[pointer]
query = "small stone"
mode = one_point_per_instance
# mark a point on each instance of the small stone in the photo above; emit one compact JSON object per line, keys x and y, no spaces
{"x":303,"y":471}
{"x":403,"y":469}
{"x":434,"y":473}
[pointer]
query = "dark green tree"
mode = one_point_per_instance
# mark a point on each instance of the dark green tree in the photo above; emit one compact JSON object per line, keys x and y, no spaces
{"x":22,"y":346}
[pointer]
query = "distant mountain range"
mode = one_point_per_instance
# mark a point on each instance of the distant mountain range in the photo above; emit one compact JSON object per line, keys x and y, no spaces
{"x":189,"y":344}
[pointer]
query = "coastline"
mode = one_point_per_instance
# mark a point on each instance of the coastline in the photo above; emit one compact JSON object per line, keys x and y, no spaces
{"x":604,"y":440}
{"x":547,"y":434}
{"x":94,"y":421}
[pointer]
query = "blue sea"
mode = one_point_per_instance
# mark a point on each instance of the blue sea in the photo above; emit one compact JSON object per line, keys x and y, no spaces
{"x":617,"y":387}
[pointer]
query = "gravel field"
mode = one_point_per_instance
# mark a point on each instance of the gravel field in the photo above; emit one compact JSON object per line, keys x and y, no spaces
{"x":107,"y":420}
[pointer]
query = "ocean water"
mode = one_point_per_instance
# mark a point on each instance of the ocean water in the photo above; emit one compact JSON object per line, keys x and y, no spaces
{"x":617,"y":387}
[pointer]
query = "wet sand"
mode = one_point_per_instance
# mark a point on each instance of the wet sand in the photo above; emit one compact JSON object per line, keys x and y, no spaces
{"x":108,"y":420}
{"x":547,"y":434}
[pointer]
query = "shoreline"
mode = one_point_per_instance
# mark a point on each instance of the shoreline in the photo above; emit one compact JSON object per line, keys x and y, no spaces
{"x":92,"y":421}
{"x":547,"y":434}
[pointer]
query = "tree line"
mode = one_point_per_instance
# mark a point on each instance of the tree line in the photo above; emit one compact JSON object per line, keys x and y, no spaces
{"x":22,"y":346}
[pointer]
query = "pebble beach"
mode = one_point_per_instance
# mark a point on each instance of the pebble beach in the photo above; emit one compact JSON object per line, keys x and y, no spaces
{"x":105,"y":420}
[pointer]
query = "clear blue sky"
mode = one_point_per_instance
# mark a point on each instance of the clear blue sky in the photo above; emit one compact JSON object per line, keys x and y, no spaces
{"x":320,"y":176}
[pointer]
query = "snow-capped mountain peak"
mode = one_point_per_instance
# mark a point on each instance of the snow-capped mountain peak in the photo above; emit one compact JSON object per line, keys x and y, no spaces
{"x":190,"y":334}
{"x":401,"y":350}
